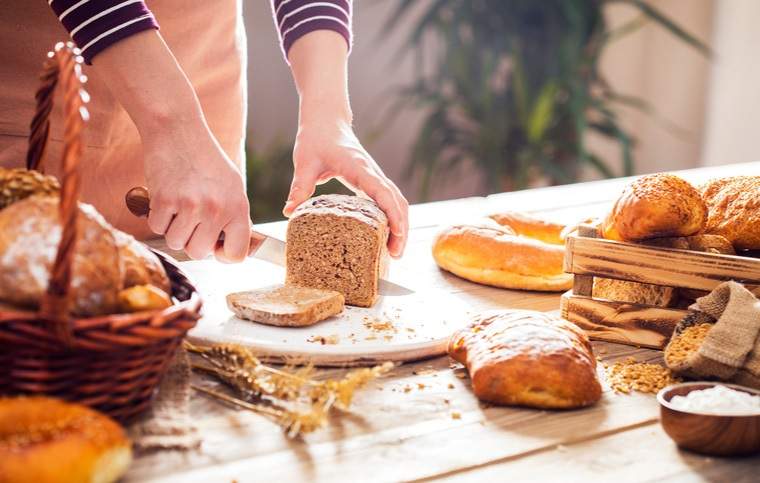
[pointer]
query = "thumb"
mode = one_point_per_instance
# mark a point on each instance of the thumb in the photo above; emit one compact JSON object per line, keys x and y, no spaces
{"x":301,"y":189}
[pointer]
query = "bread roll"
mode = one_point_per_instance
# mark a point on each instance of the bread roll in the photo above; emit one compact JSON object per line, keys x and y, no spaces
{"x":338,"y":242}
{"x":286,"y":306}
{"x":140,"y":265}
{"x":496,"y":256}
{"x":527,"y":358}
{"x":733,"y":206}
{"x":29,"y":236}
{"x":656,"y":206}
{"x":44,"y":440}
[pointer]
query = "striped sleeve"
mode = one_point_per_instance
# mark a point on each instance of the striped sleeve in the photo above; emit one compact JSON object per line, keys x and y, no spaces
{"x":296,"y":18}
{"x":97,"y":24}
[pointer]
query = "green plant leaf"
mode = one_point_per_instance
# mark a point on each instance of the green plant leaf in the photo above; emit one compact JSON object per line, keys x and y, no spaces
{"x":542,"y":112}
{"x":669,"y":25}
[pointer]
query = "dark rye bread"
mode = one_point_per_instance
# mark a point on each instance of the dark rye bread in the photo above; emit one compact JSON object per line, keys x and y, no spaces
{"x":338,"y":242}
{"x":286,"y":306}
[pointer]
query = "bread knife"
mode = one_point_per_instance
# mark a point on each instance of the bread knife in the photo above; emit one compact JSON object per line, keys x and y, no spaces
{"x":261,"y":246}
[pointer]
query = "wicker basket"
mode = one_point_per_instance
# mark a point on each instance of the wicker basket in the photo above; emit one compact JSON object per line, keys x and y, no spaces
{"x":112,"y":363}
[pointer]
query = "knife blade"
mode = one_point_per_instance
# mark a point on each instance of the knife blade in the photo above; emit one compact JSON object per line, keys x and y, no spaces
{"x":262,"y":246}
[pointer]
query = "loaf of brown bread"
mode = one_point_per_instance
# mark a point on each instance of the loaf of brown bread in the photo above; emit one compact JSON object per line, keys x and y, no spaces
{"x":338,"y":242}
{"x":527,"y":358}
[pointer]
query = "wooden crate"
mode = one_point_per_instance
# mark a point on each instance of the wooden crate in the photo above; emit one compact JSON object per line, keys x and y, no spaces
{"x":587,"y":256}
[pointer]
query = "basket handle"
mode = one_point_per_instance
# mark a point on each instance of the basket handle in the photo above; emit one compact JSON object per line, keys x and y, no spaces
{"x":64,"y":65}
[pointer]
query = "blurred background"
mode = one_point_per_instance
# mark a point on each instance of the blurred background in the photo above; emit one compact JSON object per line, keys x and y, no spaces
{"x":458,"y":98}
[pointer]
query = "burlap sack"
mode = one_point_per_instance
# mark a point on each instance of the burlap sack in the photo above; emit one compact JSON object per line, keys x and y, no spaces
{"x":731,"y":349}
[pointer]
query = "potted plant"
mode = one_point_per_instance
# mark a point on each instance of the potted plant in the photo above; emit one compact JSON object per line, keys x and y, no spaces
{"x":514,"y":86}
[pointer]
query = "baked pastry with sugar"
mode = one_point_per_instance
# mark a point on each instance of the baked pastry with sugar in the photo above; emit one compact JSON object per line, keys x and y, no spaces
{"x":338,"y":242}
{"x":527,"y":358}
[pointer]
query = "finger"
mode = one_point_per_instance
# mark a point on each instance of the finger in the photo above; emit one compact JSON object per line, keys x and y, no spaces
{"x":301,"y":189}
{"x":180,"y":230}
{"x":203,"y":240}
{"x":237,"y":237}
{"x":380,"y":191}
{"x":160,"y":216}
{"x":403,"y":205}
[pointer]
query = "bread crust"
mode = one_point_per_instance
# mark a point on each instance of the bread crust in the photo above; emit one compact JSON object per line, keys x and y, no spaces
{"x":733,"y":206}
{"x":497,"y":257}
{"x":655,"y":206}
{"x":531,"y":226}
{"x":527,"y":358}
{"x":286,"y":305}
{"x":47,"y":440}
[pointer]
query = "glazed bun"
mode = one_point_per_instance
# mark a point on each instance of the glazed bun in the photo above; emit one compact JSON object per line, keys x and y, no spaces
{"x":531,"y":226}
{"x":45,"y":440}
{"x":655,"y":206}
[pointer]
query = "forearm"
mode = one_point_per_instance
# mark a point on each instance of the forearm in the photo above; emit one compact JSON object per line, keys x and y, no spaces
{"x":319,"y":62}
{"x":146,"y":79}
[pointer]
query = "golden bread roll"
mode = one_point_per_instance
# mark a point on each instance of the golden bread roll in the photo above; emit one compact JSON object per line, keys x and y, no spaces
{"x":141,"y":266}
{"x":733,"y":206}
{"x":29,"y":235}
{"x":17,"y":184}
{"x":44,"y":440}
{"x":527,"y":358}
{"x":139,"y":298}
{"x":498,"y":257}
{"x":656,"y":206}
{"x":531,"y":226}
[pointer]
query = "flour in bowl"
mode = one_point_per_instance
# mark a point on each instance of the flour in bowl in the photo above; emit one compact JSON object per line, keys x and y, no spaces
{"x":718,"y":400}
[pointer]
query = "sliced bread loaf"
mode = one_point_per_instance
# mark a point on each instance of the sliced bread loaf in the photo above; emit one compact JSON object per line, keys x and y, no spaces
{"x":338,"y":242}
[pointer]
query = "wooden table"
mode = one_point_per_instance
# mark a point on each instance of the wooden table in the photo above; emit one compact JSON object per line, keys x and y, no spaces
{"x":423,"y":422}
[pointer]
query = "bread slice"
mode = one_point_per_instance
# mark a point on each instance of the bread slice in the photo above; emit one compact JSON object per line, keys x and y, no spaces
{"x":338,"y":242}
{"x":286,"y":305}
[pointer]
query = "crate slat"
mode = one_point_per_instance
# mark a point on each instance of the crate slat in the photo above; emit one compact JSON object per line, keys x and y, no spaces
{"x":659,"y":266}
{"x":625,"y":323}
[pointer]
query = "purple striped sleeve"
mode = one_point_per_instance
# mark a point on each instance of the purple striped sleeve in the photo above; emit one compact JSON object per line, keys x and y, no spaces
{"x":97,"y":24}
{"x":296,"y":18}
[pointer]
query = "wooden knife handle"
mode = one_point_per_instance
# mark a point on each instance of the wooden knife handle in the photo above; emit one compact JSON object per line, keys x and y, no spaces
{"x":138,"y":201}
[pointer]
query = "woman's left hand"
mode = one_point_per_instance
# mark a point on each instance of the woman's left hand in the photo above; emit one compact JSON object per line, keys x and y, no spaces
{"x":327,"y":149}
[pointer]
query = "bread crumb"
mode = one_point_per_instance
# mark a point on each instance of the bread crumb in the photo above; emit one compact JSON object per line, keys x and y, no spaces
{"x":456,"y":415}
{"x":451,"y":386}
{"x":324,"y":339}
{"x":420,"y":386}
{"x":407,"y":388}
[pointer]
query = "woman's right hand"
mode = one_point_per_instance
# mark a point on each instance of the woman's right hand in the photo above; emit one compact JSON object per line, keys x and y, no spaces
{"x":197,"y":192}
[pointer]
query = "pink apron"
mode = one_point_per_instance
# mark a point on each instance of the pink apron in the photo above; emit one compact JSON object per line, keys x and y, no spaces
{"x":208,"y":39}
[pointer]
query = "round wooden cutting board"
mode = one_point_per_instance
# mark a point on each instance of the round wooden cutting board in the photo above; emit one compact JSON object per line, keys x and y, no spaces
{"x":400,"y":328}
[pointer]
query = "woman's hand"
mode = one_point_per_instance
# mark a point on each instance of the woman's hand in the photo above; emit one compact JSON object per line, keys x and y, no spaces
{"x":329,"y":149}
{"x":326,"y":146}
{"x":197,"y":193}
